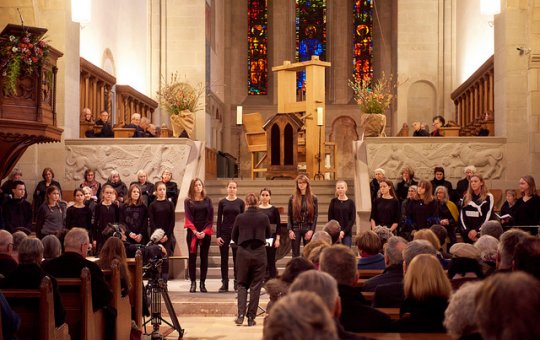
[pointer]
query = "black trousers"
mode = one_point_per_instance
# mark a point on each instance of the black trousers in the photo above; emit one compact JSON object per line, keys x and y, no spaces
{"x":224,"y":253}
{"x":192,"y":259}
{"x":271,"y":270}
{"x":251,"y":265}
{"x":295,"y":244}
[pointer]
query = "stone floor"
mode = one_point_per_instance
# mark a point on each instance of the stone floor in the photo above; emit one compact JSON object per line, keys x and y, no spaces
{"x":207,"y":316}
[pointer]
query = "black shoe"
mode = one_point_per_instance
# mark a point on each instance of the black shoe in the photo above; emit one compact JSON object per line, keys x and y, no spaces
{"x":193,"y":288}
{"x":224,"y":287}
{"x":203,"y":287}
{"x":251,"y":322}
{"x":239,"y":320}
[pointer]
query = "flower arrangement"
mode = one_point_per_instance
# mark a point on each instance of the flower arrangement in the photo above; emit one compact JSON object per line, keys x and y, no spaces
{"x":177,"y":96}
{"x":373,"y":96}
{"x":20,"y":55}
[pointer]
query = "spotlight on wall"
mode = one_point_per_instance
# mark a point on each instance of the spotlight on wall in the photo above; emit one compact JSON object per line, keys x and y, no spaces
{"x":490,"y":7}
{"x":523,"y":50}
{"x":81,"y":12}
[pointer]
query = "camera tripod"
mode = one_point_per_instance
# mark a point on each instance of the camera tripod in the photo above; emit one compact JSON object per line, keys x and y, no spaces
{"x":156,"y":289}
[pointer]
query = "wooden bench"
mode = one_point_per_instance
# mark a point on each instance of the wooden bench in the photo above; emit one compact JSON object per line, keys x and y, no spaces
{"x":35,"y":307}
{"x":135,"y":267}
{"x":407,"y":336}
{"x":76,"y":295}
{"x":369,"y":273}
{"x":393,"y":313}
{"x":368,"y":296}
{"x":120,"y":303}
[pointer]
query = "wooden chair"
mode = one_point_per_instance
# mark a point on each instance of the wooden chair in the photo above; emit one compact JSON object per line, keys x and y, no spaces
{"x":135,"y":266}
{"x":76,"y":295}
{"x":35,"y":307}
{"x":256,"y":141}
{"x":120,"y":303}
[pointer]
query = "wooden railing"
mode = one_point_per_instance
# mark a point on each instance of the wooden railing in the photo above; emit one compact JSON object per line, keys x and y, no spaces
{"x":129,"y":101}
{"x":95,"y":88}
{"x":473,"y":101}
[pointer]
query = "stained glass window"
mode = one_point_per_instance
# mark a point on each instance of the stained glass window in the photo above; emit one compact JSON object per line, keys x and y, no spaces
{"x":257,"y":47}
{"x":363,"y":39}
{"x":310,"y":32}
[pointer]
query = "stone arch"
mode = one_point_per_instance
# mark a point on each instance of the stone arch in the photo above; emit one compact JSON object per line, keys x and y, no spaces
{"x":421,"y":102}
{"x":343,"y":132}
{"x":107,"y":62}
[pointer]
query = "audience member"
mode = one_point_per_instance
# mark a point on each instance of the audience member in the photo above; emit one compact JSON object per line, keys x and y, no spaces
{"x":340,"y":262}
{"x":507,"y":245}
{"x":52,"y":248}
{"x":18,"y":237}
{"x":7,"y":263}
{"x":393,"y":259}
{"x":70,"y":264}
{"x":488,"y":253}
{"x":324,"y":286}
{"x":343,"y":210}
{"x":28,"y":275}
{"x":527,"y":256}
{"x":438,"y":123}
{"x":419,"y":130}
{"x":459,"y":317}
{"x":463,"y":184}
{"x":407,"y":180}
{"x":135,"y":124}
{"x":106,"y":127}
{"x":508,"y":207}
{"x":315,"y":254}
{"x":10,"y":320}
{"x":112,"y":250}
{"x":390,"y":295}
{"x":427,"y":290}
{"x":492,"y":228}
{"x":320,"y":235}
{"x":17,"y":211}
{"x":507,"y":307}
{"x":383,"y":233}
{"x":428,"y":235}
{"x":333,"y":229}
{"x":369,"y":245}
{"x":464,"y":265}
{"x":441,"y":234}
{"x":298,"y":316}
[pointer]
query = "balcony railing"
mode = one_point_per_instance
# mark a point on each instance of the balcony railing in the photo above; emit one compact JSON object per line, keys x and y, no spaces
{"x":129,"y":101}
{"x":95,"y":88}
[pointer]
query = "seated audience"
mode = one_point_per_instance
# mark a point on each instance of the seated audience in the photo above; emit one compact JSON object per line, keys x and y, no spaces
{"x":488,"y":253}
{"x":315,"y":254}
{"x":324,"y":286}
{"x":507,"y":245}
{"x":527,"y":256}
{"x":428,"y":235}
{"x":70,"y":264}
{"x":464,"y":265}
{"x":492,"y":228}
{"x":87,"y":118}
{"x":300,"y":315}
{"x":136,"y":124}
{"x":340,"y":262}
{"x":383,"y":233}
{"x":114,"y":249}
{"x":17,"y":211}
{"x":441,"y":234}
{"x":106,"y":127}
{"x":507,"y":307}
{"x":333,"y":229}
{"x":438,"y":123}
{"x":390,"y":295}
{"x":52,"y":248}
{"x":152,"y":131}
{"x":369,"y":245}
{"x":459,"y":317}
{"x":278,"y":287}
{"x":427,"y":290}
{"x":18,"y":237}
{"x":7,"y":263}
{"x":508,"y":207}
{"x":393,"y":259}
{"x":11,"y":321}
{"x":320,"y":235}
{"x":29,"y":274}
{"x":419,"y":130}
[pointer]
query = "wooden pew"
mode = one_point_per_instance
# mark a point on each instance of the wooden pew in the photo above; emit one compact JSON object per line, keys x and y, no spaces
{"x":393,"y":313}
{"x":76,"y":295}
{"x":135,"y":267}
{"x":369,"y":273}
{"x":120,"y":132}
{"x":35,"y":307}
{"x":121,"y":304}
{"x":407,"y":336}
{"x":368,"y":296}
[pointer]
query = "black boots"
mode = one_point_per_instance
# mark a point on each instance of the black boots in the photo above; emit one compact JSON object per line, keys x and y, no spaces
{"x":193,"y":288}
{"x":203,"y":287}
{"x":224,"y":287}
{"x":239,"y":320}
{"x":251,"y":322}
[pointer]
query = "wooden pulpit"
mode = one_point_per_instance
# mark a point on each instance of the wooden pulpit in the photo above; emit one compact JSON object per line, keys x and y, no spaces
{"x":282,"y":142}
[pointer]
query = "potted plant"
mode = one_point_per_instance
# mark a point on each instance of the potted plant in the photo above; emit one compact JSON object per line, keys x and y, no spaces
{"x":180,"y":99}
{"x":373,"y":96}
{"x":20,"y":54}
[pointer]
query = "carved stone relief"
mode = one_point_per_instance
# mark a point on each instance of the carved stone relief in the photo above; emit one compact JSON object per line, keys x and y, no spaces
{"x":343,"y":133}
{"x":453,"y":157}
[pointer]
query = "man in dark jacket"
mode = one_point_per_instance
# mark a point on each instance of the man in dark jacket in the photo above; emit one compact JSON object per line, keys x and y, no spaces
{"x":393,"y":259}
{"x":340,"y":262}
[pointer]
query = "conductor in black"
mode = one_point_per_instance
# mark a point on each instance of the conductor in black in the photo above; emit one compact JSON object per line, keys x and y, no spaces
{"x":250,"y":231}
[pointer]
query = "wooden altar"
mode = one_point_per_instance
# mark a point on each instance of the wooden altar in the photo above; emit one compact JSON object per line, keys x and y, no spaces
{"x":282,"y":142}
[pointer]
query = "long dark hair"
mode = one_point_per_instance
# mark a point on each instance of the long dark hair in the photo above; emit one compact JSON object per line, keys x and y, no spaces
{"x":191,"y":191}
{"x":297,"y":200}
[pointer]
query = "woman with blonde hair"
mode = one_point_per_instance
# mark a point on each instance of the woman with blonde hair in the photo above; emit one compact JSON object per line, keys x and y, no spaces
{"x":302,"y":214}
{"x":427,"y":290}
{"x":343,"y":210}
{"x":447,"y":212}
{"x":431,"y":237}
{"x":527,"y":209}
{"x":477,"y":209}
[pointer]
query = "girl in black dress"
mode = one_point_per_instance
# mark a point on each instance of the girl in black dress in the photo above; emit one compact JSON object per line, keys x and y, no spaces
{"x":343,"y":210}
{"x":228,"y":208}
{"x":422,"y":210}
{"x":199,"y":217}
{"x":172,"y":188}
{"x":527,"y":209}
{"x":79,"y":215}
{"x":42,"y":186}
{"x":385,"y":209}
{"x":134,"y":216}
{"x":107,"y":211}
{"x":303,"y":211}
{"x":275,"y":227}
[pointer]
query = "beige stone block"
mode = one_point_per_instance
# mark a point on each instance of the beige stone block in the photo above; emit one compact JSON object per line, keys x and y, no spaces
{"x":536,"y":141}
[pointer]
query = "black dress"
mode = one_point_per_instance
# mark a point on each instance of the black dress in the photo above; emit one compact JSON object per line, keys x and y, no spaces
{"x":421,"y":215}
{"x":161,"y":215}
{"x":343,"y":211}
{"x":172,"y":192}
{"x":527,"y":213}
{"x":385,"y":212}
